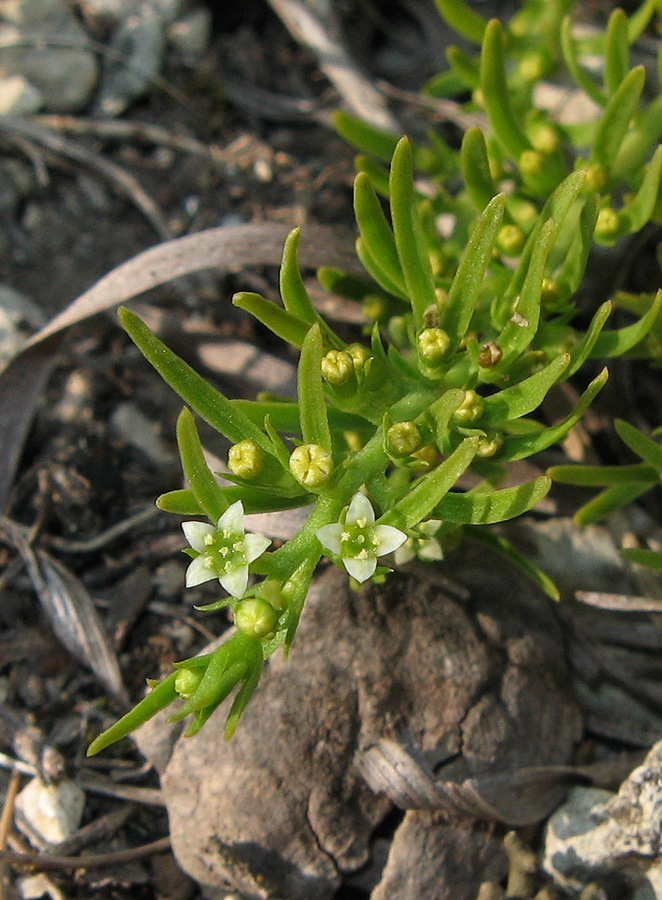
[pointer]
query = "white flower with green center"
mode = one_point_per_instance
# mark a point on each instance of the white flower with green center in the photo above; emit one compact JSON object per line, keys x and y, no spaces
{"x":358,"y":541}
{"x":224,"y":551}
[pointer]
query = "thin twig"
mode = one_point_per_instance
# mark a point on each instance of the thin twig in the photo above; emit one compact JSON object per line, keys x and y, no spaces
{"x":6,"y":819}
{"x":120,"y":129}
{"x":13,"y":126}
{"x":105,"y":537}
{"x":89,"y":861}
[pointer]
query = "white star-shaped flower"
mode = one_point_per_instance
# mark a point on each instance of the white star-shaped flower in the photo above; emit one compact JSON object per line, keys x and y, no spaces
{"x":224,"y":551}
{"x":358,"y":541}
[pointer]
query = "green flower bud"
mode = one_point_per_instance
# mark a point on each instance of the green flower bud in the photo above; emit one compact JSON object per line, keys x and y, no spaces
{"x":360,"y":356}
{"x":545,"y":137}
{"x":433,"y":345}
{"x":311,"y":465}
{"x":531,"y":163}
{"x":374,"y":307}
{"x":272,"y":593}
{"x":608,"y":223}
{"x":488,"y":446}
{"x":255,"y":617}
{"x":397,"y":331}
{"x":187,"y":681}
{"x":470,"y":410}
{"x":596,"y":178}
{"x":427,"y":456}
{"x":549,"y":291}
{"x":245,"y":459}
{"x":403,"y":439}
{"x":510,"y":240}
{"x":533,"y":66}
{"x":489,"y":355}
{"x":337,"y":367}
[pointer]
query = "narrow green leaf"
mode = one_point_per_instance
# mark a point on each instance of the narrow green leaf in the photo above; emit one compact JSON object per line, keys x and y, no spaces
{"x":582,"y":351}
{"x":581,"y":78}
{"x":609,"y":501}
{"x":643,"y":446}
{"x":525,"y":445}
{"x":572,"y":271}
{"x":619,"y":341}
{"x":639,"y":141}
{"x":376,"y":232}
{"x":376,"y":172}
{"x":242,"y":698}
{"x":463,"y":19}
{"x":439,"y":413}
{"x":471,"y":269}
{"x":464,"y":67}
{"x":310,"y":391}
{"x":365,"y":137}
{"x":518,"y":334}
{"x":254,"y":499}
{"x":408,"y":231}
{"x":292,"y":289}
{"x":640,"y":18}
{"x":475,"y":166}
{"x":638,"y":210}
{"x":617,"y":50}
{"x":487,"y":507}
{"x":617,"y":116}
{"x":210,"y":404}
{"x":602,"y":476}
{"x":650,"y":558}
{"x":371,"y":266}
{"x":522,"y":398}
{"x":494,"y":87}
{"x":284,"y":415}
{"x":278,"y":320}
{"x":157,"y":699}
{"x":181,"y":502}
{"x":277,"y":446}
{"x":205,"y":488}
{"x":428,"y":491}
{"x":522,"y":562}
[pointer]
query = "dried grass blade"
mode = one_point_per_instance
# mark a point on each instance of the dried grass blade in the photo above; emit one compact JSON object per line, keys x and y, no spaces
{"x":70,"y":610}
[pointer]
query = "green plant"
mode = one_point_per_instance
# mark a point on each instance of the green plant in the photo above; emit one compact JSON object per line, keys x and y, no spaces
{"x":468,"y":335}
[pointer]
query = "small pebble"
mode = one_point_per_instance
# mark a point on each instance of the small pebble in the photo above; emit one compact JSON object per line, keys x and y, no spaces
{"x":49,"y":813}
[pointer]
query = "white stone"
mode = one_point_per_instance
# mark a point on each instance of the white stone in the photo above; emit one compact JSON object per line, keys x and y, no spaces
{"x":598,"y":835}
{"x":49,"y":813}
{"x":18,"y":97}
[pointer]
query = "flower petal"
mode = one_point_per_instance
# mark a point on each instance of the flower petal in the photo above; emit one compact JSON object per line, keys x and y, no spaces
{"x":254,"y":546}
{"x":196,"y":532}
{"x":360,"y":508}
{"x":405,"y":553}
{"x":235,"y":581}
{"x":232,"y":519}
{"x":360,"y":569}
{"x":329,"y":537}
{"x":431,"y":550}
{"x":389,"y":538}
{"x":198,"y":572}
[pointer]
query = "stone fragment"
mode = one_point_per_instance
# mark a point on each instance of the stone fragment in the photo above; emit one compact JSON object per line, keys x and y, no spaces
{"x":42,"y":41}
{"x":18,"y":97}
{"x":599,"y":836}
{"x":133,"y":63}
{"x":190,"y":35}
{"x":49,"y":813}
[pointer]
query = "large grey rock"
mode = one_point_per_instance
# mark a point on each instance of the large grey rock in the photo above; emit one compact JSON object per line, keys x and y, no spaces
{"x":599,"y":836}
{"x":282,"y":810}
{"x":43,"y":42}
